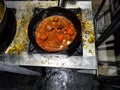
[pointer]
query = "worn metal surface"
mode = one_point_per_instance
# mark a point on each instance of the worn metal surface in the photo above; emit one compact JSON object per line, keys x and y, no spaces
{"x":17,"y":69}
{"x":20,"y":56}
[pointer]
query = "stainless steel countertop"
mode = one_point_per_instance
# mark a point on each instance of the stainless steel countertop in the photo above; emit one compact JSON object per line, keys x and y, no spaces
{"x":24,"y":8}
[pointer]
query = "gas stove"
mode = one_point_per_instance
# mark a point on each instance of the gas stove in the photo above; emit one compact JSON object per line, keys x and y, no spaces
{"x":9,"y":31}
{"x":85,"y":60}
{"x":76,"y":51}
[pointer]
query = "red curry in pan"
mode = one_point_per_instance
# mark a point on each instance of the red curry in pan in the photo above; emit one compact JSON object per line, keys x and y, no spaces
{"x":55,"y":33}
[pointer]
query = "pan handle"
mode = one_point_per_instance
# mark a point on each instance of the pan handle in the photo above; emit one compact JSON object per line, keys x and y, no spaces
{"x":60,"y":3}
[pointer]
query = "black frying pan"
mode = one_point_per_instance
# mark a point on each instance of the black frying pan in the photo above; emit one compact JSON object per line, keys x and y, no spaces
{"x":57,"y":10}
{"x":3,"y":15}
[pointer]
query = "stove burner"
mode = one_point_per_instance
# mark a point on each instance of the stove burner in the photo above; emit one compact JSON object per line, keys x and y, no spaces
{"x":9,"y":31}
{"x":76,"y":51}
